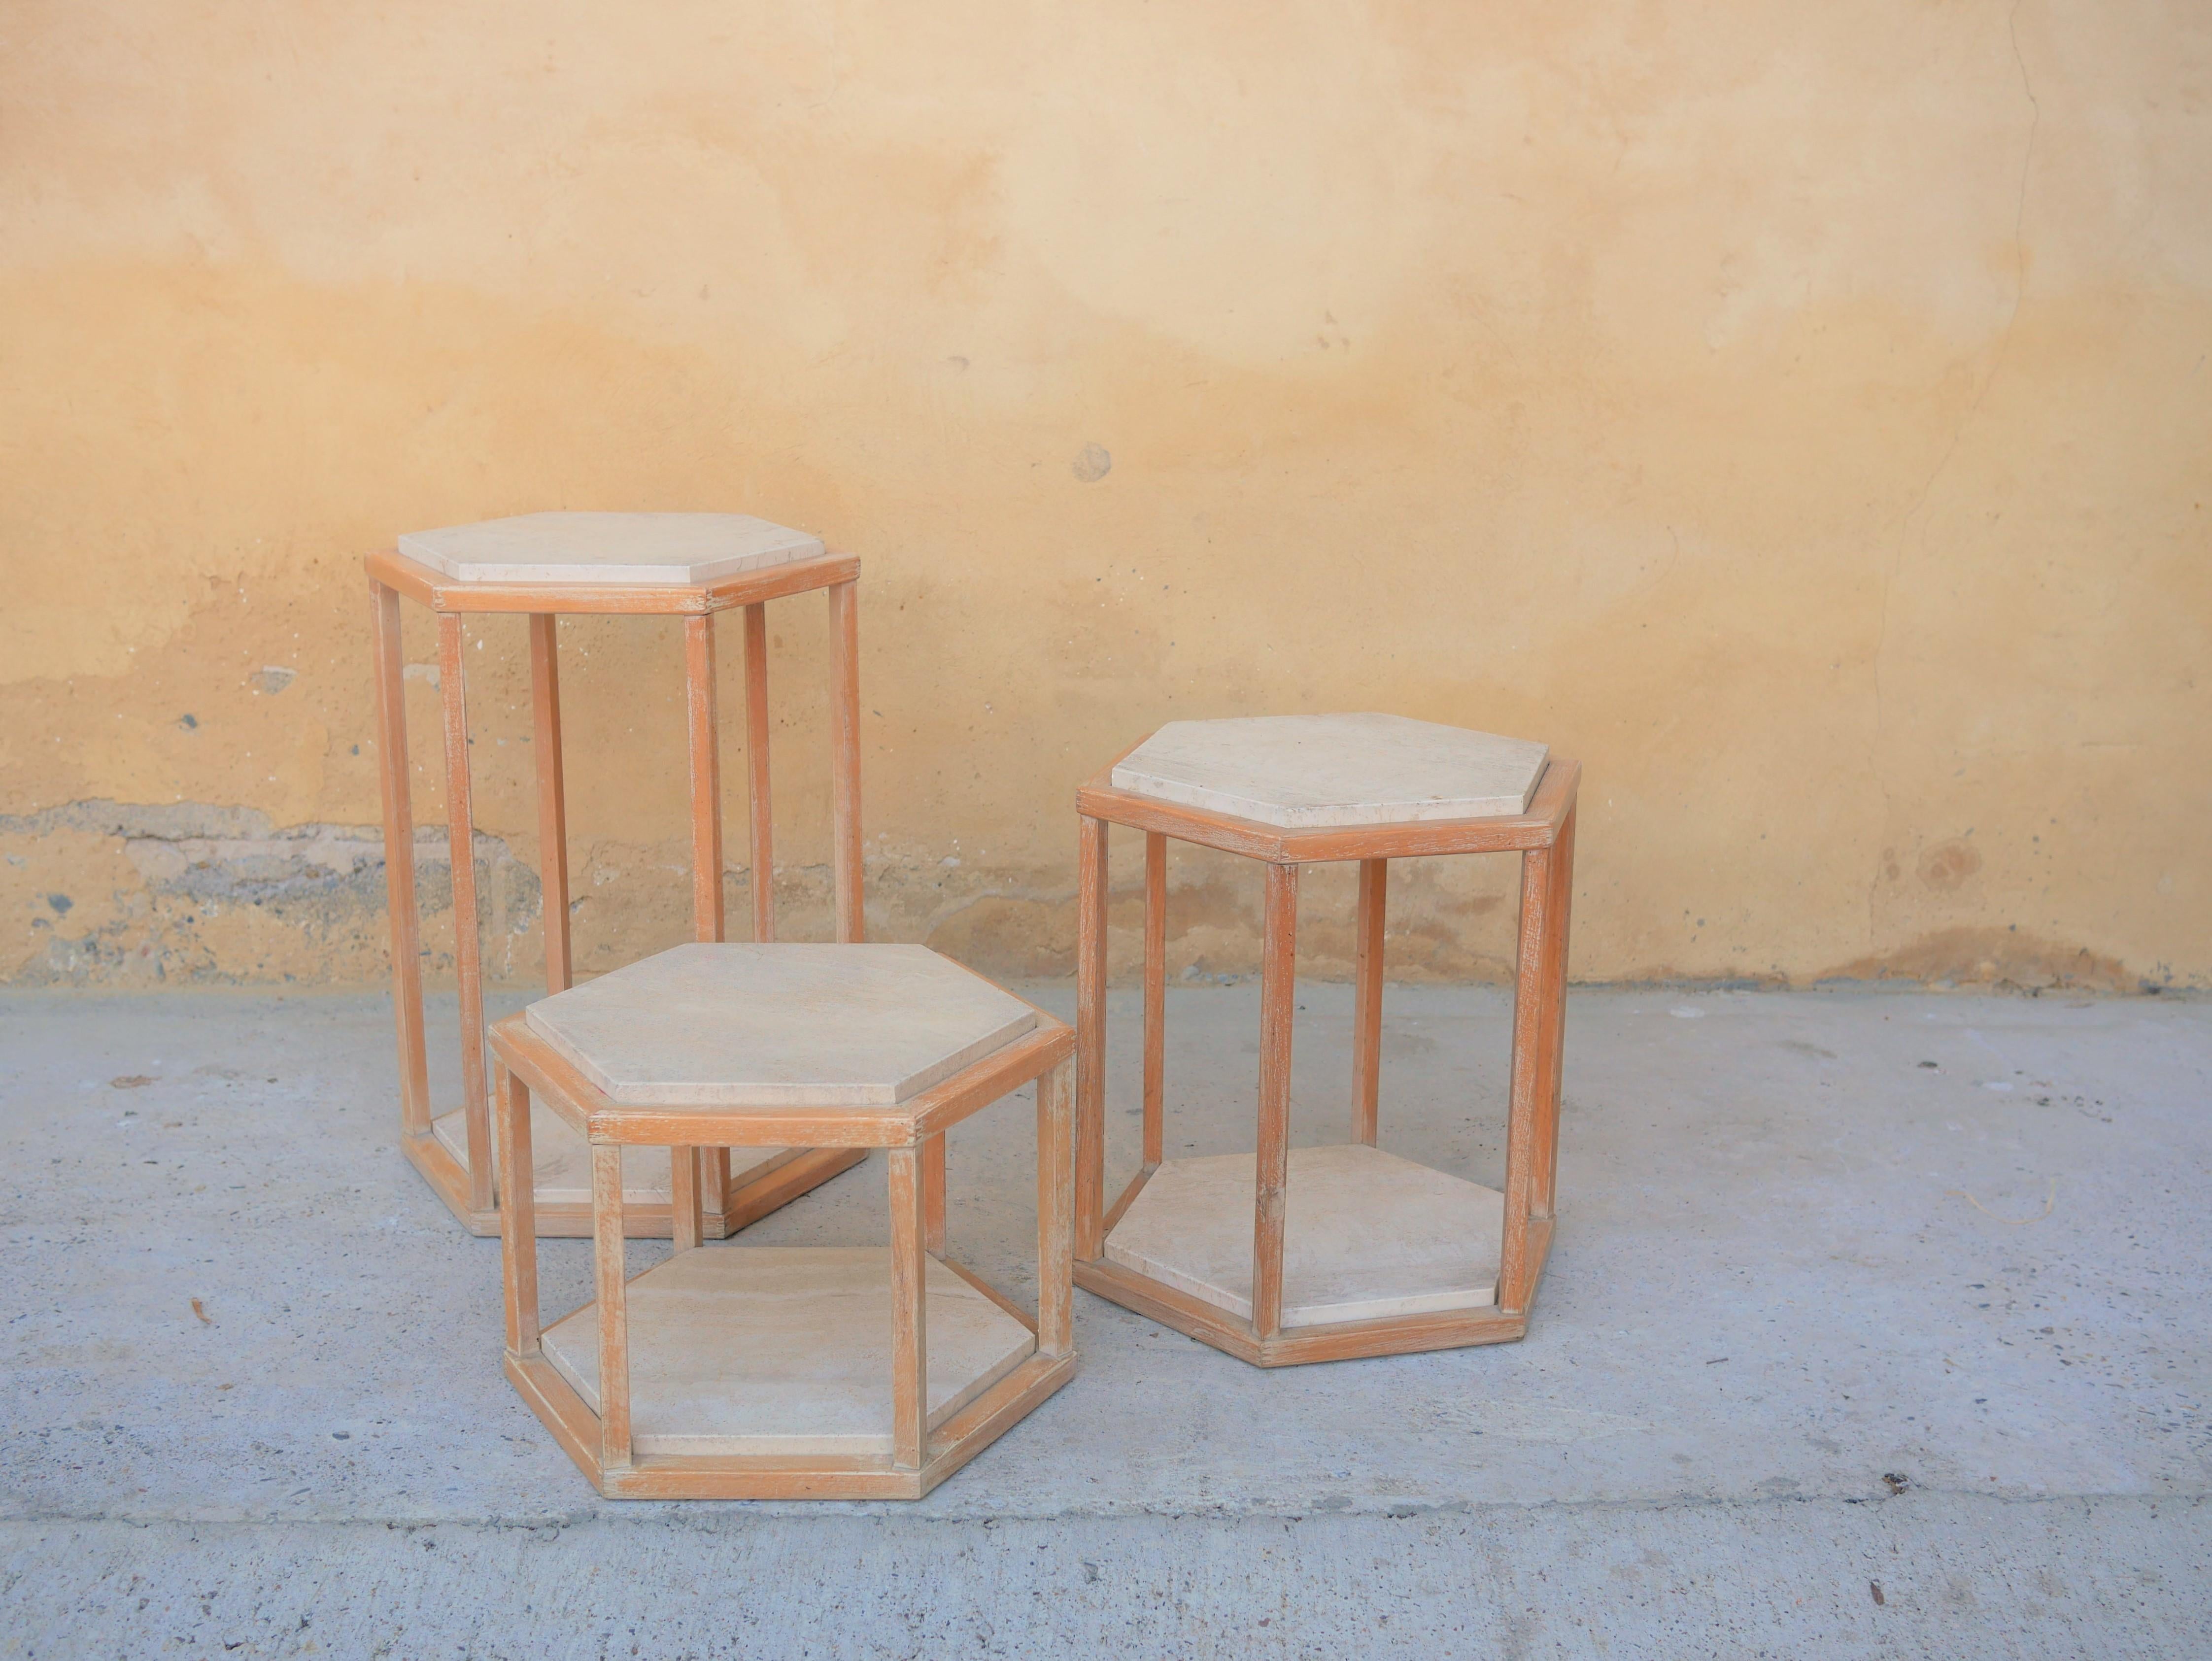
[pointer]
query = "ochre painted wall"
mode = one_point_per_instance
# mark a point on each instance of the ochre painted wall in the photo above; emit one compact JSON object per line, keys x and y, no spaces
{"x":1802,"y":415}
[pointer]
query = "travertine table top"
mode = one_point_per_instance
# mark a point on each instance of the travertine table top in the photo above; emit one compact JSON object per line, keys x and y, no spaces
{"x":779,"y":1025}
{"x":1309,"y":772}
{"x":625,"y":549}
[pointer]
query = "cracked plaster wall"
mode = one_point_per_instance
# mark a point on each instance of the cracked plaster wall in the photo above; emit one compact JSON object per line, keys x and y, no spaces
{"x":1800,"y":416}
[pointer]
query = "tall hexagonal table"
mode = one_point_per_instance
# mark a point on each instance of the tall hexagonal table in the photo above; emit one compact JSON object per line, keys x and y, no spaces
{"x":1319,"y":1254}
{"x":740,"y":1371}
{"x":690,"y":566}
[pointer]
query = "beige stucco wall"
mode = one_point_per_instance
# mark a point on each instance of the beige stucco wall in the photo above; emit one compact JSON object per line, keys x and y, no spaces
{"x":1802,"y":415}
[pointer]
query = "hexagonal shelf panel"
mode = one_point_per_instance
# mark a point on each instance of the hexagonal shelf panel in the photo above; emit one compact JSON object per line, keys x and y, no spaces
{"x":784,"y":1350}
{"x":1365,"y":1234}
{"x":655,"y":549}
{"x":779,"y":1025}
{"x":564,"y":1162}
{"x":1306,"y":772}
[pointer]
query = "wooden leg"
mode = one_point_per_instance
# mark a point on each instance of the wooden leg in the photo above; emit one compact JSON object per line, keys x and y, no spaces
{"x":614,"y":1323}
{"x":552,"y":809}
{"x":518,"y":1216}
{"x":687,"y":1220}
{"x":714,"y":1183}
{"x":399,"y":861}
{"x":468,"y":962}
{"x":1514,"y":1266}
{"x":710,"y":1177}
{"x":1278,"y":1007}
{"x":1089,"y":1036}
{"x":759,"y":810}
{"x":1550,"y":1051}
{"x":706,"y":779}
{"x":1156,"y":999}
{"x":1056,"y":1210}
{"x":1367,"y":1001}
{"x":932,"y":1195}
{"x":909,"y":1314}
{"x":845,"y":746}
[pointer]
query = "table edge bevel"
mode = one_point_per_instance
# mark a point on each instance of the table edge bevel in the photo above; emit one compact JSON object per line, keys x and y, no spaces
{"x":1556,"y":790}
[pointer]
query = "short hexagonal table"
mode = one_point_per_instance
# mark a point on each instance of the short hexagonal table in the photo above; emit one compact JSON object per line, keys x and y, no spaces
{"x":1320,"y":1254}
{"x":690,"y":566}
{"x":741,"y":1372}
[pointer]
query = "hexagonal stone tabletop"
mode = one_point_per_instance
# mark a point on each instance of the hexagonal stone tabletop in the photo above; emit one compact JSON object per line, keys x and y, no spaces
{"x":1311,"y":772}
{"x":652,"y":549}
{"x":779,"y":1025}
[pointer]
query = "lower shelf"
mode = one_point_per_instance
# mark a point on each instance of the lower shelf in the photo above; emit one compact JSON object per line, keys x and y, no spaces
{"x":563,"y":1160}
{"x":784,"y":1350}
{"x":1365,"y":1235}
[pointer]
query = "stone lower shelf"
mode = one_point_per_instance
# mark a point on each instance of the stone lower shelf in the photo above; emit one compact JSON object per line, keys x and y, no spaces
{"x":784,"y":1350}
{"x":1366,"y":1234}
{"x":563,"y":1160}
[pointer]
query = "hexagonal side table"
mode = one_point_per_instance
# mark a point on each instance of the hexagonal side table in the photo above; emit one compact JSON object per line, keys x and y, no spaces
{"x":685,"y":565}
{"x":740,"y":1372}
{"x":1325,"y":1253}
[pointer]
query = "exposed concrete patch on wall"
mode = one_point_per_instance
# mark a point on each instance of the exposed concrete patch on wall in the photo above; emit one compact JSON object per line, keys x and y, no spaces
{"x":1446,"y":925}
{"x":198,"y":893}
{"x":118,"y":893}
{"x":2006,"y":959}
{"x":1020,"y":936}
{"x":105,"y":893}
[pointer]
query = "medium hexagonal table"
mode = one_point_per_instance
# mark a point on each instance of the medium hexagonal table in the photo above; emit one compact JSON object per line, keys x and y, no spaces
{"x":690,"y":566}
{"x":739,"y":1372}
{"x":1320,"y":1254}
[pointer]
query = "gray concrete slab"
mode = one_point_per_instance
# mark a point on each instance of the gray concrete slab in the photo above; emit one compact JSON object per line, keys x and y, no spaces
{"x":1850,"y":1289}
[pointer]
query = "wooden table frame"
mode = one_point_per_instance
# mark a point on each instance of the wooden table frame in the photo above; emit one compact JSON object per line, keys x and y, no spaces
{"x":914,"y":1132}
{"x":468,"y":1189}
{"x":1544,"y":837}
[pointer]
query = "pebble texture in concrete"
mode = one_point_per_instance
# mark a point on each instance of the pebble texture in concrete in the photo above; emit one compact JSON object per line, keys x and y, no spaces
{"x":1851,"y":1290}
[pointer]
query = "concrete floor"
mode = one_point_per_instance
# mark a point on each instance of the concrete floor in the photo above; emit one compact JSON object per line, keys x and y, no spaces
{"x":1851,"y":1290}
